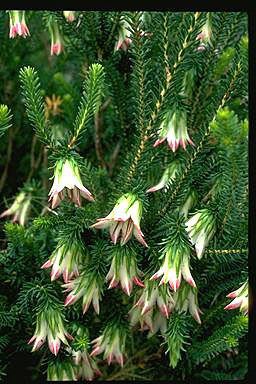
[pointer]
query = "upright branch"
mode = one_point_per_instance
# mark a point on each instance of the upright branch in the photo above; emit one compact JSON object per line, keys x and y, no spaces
{"x":169,"y":76}
{"x":89,"y":102}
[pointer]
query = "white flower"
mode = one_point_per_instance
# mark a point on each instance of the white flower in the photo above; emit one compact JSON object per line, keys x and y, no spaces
{"x":67,"y":177}
{"x":124,"y":219}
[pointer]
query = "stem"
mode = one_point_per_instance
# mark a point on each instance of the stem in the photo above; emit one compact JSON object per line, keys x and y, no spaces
{"x":200,"y":145}
{"x":163,"y":92}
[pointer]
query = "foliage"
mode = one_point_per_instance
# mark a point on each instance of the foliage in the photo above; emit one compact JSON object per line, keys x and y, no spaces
{"x":129,"y":100}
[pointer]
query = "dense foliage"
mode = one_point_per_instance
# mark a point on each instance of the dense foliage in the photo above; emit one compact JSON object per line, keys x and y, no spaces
{"x":124,"y":195}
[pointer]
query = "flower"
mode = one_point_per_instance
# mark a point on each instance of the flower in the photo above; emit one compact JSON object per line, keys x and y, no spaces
{"x":186,"y":299}
{"x":86,"y":287}
{"x":49,"y":323}
{"x":112,"y":343}
{"x":189,"y":203}
{"x":56,"y":38}
{"x":124,"y":37}
{"x":174,"y":129}
{"x":176,"y":265}
{"x":124,"y":270}
{"x":153,"y":296}
{"x":201,"y":228}
{"x":69,"y":15}
{"x":205,"y":34}
{"x":240,"y":297}
{"x":18,"y":24}
{"x":20,"y":208}
{"x":168,"y":176}
{"x":67,"y":177}
{"x":65,"y":260}
{"x":124,"y":218}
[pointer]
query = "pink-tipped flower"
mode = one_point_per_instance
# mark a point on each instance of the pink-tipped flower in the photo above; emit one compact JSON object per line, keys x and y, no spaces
{"x":124,"y":37}
{"x":240,"y":297}
{"x":175,"y":266}
{"x":65,"y":260}
{"x":205,"y":35}
{"x":49,"y":324}
{"x":123,"y":220}
{"x":67,"y":178}
{"x":186,"y":299}
{"x":18,"y":24}
{"x":201,"y":228}
{"x":112,"y":343}
{"x":152,"y":309}
{"x":86,"y":287}
{"x":174,"y":129}
{"x":56,"y":38}
{"x":168,"y":176}
{"x":69,"y":16}
{"x":19,"y":209}
{"x":124,"y":270}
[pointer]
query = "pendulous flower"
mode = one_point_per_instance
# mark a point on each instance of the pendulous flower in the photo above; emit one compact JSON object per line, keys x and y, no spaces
{"x":65,"y":260}
{"x":18,"y":24}
{"x":168,"y":176}
{"x":175,"y":266}
{"x":49,"y":324}
{"x":67,"y":178}
{"x":86,"y":287}
{"x":124,"y":220}
{"x":174,"y":129}
{"x":20,"y":208}
{"x":124,"y":270}
{"x":56,"y":38}
{"x":112,"y":343}
{"x":201,"y":228}
{"x":240,"y":297}
{"x":186,"y":299}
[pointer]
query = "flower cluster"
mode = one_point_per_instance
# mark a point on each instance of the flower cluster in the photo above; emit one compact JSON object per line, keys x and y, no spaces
{"x":186,"y":299}
{"x":18,"y":24}
{"x":112,"y":343}
{"x":65,"y":260}
{"x":175,"y":266}
{"x":123,"y":220}
{"x":124,"y":270}
{"x":49,"y":324}
{"x":86,"y":287}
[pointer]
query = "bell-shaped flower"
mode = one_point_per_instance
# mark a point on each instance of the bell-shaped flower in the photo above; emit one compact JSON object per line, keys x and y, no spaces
{"x":123,"y":220}
{"x":65,"y":260}
{"x":174,"y":129}
{"x":124,"y":270}
{"x":18,"y":24}
{"x":69,"y":16}
{"x":201,"y":228}
{"x":20,"y":208}
{"x":186,"y":299}
{"x":87,"y":287}
{"x":175,"y":266}
{"x":123,"y":37}
{"x":112,"y":343}
{"x":240,"y":297}
{"x":153,"y":296}
{"x":168,"y":176}
{"x":50,"y":325}
{"x":205,"y":34}
{"x":189,"y":203}
{"x":67,"y":177}
{"x":56,"y":38}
